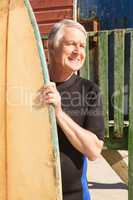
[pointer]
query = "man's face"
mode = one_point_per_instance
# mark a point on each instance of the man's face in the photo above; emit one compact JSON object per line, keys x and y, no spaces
{"x":70,"y":53}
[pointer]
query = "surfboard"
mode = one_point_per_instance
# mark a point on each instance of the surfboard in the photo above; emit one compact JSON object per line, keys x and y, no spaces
{"x":31,"y":167}
{"x":3,"y":55}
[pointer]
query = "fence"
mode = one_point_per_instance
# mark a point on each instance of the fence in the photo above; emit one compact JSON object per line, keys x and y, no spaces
{"x":115,"y":78}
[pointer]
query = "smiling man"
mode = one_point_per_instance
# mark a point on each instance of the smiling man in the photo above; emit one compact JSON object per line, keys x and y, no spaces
{"x":78,"y":107}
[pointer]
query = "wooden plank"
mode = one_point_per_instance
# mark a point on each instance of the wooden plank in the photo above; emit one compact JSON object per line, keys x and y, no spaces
{"x":116,"y":161}
{"x":103,"y":76}
{"x":53,"y":15}
{"x":130,"y":133}
{"x":118,"y":82}
{"x":3,"y":44}
{"x":52,"y":4}
{"x":85,"y":70}
{"x":31,"y":160}
{"x":45,"y":28}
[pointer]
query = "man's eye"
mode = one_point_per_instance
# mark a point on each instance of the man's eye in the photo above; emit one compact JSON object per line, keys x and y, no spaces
{"x":71,"y":43}
{"x":83,"y":45}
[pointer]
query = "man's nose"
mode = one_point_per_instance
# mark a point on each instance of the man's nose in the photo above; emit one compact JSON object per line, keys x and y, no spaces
{"x":77,"y":49}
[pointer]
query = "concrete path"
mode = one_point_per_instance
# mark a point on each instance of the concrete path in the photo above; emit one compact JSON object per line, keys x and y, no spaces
{"x":104,"y":183}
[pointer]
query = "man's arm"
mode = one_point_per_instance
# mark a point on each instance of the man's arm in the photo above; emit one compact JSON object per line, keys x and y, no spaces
{"x":83,"y":140}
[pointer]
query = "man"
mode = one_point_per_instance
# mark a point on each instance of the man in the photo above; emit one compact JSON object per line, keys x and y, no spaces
{"x":77,"y":107}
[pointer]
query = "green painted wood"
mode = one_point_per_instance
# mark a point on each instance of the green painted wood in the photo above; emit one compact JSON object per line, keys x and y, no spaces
{"x":54,"y":134}
{"x":114,"y":144}
{"x":44,"y":37}
{"x":103,"y":75}
{"x":130,"y":133}
{"x":118,"y":82}
{"x":85,"y":70}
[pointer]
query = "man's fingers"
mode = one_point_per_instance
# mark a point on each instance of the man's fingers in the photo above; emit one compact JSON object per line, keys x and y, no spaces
{"x":49,"y":95}
{"x":51,"y":101}
{"x":49,"y":85}
{"x":48,"y":90}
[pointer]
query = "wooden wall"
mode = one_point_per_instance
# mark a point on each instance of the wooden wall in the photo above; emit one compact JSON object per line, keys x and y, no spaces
{"x":48,"y":12}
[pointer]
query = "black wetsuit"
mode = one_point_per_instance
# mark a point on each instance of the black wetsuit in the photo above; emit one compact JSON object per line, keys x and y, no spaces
{"x":82,"y":102}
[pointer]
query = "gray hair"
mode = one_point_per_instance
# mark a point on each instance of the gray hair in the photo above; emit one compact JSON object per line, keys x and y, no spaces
{"x":57,"y":33}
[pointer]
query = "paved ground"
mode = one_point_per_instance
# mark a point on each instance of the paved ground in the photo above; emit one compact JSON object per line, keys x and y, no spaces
{"x":104,"y":183}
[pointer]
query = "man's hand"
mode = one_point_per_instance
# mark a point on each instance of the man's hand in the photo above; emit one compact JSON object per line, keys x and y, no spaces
{"x":48,"y":94}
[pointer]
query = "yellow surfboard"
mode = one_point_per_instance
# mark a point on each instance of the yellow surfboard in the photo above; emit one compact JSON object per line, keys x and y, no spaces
{"x":3,"y":59}
{"x":29,"y":155}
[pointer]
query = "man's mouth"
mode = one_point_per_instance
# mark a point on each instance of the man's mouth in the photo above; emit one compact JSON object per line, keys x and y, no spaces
{"x":75,"y":61}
